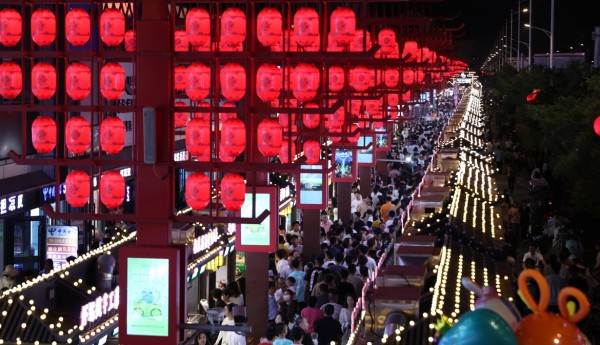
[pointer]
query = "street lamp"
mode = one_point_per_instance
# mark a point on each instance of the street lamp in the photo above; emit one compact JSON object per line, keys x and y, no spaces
{"x":550,"y":36}
{"x":518,"y":12}
{"x":549,"y":33}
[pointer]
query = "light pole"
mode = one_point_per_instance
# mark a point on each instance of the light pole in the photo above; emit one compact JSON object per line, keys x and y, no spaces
{"x":530,"y":18}
{"x":550,"y":36}
{"x":518,"y":13}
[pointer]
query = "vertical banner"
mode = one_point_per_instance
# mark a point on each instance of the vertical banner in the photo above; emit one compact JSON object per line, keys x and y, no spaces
{"x":61,"y":242}
{"x":312,"y":187}
{"x":263,"y":237}
{"x":345,"y":165}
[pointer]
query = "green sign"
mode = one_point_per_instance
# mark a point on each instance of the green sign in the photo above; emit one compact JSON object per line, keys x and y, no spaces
{"x":148,"y":297}
{"x":256,"y":234}
{"x":240,"y":263}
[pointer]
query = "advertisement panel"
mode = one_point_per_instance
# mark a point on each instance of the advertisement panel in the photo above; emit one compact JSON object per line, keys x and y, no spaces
{"x":312,"y":187}
{"x":345,"y":165}
{"x":365,"y":156}
{"x":61,"y":242}
{"x":259,"y":237}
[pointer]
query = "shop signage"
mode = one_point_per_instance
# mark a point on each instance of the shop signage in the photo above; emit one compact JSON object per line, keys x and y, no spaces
{"x":18,"y":202}
{"x":11,"y":204}
{"x":181,"y":156}
{"x":284,"y":193}
{"x":205,"y":241}
{"x":61,"y":242}
{"x":99,"y":308}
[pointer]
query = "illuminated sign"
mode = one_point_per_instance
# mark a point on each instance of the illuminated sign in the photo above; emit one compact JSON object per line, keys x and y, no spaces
{"x":61,"y":242}
{"x":345,"y":165}
{"x":99,"y":308}
{"x":284,"y":193}
{"x":205,"y":241}
{"x":11,"y":204}
{"x":365,"y":156}
{"x":259,"y":237}
{"x":181,"y":156}
{"x":311,"y":186}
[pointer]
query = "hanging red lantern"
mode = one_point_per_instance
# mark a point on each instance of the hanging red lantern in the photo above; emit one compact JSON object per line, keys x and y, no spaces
{"x":284,"y":120}
{"x":77,"y":188}
{"x":112,"y":189}
{"x":77,"y":26}
{"x":224,"y":116}
{"x":353,"y":139}
{"x":305,"y":82}
{"x":43,"y":134}
{"x":342,"y":26}
{"x":390,"y":77}
{"x":233,"y":137}
{"x":130,"y":41}
{"x":268,"y":82}
{"x":11,"y":80}
{"x":408,"y":76}
{"x":197,"y":137}
{"x":393,"y":99}
{"x":358,"y":44}
{"x":197,"y":191}
{"x":203,"y":115}
{"x":332,"y":45}
{"x":386,"y":38}
{"x":337,"y":78}
{"x":406,"y":96}
{"x":233,"y":27}
{"x":179,"y":77}
{"x":597,"y":125}
{"x":269,"y":137}
{"x":112,"y":27}
{"x":287,"y":151}
{"x":10,"y":27}
{"x":425,"y":54}
{"x":233,"y":82}
{"x":533,"y":95}
{"x":306,"y":27}
{"x":43,"y":80}
{"x":233,"y":192}
{"x":312,"y":151}
{"x":269,"y":27}
{"x":43,"y":27}
{"x":77,"y":135}
{"x":112,"y":135}
{"x":198,"y":81}
{"x":182,"y":43}
{"x":112,"y":81}
{"x":197,"y":26}
{"x":78,"y":81}
{"x":311,"y":120}
{"x":337,"y":118}
{"x":224,"y":156}
{"x":410,"y":51}
{"x":335,"y":134}
{"x":360,"y":78}
{"x":181,"y":117}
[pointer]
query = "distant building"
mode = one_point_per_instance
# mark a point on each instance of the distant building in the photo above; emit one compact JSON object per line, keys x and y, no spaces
{"x":559,"y":60}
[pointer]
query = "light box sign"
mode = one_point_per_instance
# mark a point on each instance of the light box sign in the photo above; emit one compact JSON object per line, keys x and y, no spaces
{"x":383,"y":141}
{"x":312,"y":187}
{"x":147,"y":296}
{"x":365,"y":156}
{"x":259,"y":237}
{"x":61,"y":242}
{"x":345,"y":165}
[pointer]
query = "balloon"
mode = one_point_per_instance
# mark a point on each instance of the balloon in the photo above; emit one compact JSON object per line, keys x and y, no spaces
{"x":489,"y":299}
{"x":480,"y":326}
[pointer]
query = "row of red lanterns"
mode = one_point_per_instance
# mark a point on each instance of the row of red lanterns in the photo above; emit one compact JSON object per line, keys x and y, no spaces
{"x":78,"y":183}
{"x":198,"y":191}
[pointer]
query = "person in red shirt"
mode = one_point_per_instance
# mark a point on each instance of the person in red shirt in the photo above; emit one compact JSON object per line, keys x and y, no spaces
{"x":311,"y":313}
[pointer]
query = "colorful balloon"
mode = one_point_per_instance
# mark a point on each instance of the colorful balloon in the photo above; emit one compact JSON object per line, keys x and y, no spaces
{"x":480,"y":326}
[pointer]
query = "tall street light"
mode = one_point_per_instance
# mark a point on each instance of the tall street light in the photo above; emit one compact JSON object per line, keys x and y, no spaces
{"x":550,"y":35}
{"x":530,"y":21}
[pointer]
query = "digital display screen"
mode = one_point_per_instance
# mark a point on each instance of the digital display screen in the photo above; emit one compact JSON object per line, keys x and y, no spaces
{"x":344,"y":164}
{"x":256,"y":234}
{"x":381,"y":141}
{"x":365,"y":156}
{"x":311,"y":185}
{"x":148,"y":297}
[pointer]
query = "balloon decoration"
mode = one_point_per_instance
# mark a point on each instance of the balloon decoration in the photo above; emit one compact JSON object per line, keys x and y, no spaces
{"x":487,"y":298}
{"x":233,"y":137}
{"x":233,"y":192}
{"x":179,"y":77}
{"x":11,"y":80}
{"x":197,"y":138}
{"x":312,"y":151}
{"x":233,"y":82}
{"x":597,"y":125}
{"x":77,"y":188}
{"x":77,"y":27}
{"x":78,"y":135}
{"x":233,"y":27}
{"x":197,"y":191}
{"x":180,"y":117}
{"x":112,"y":135}
{"x":305,"y":82}
{"x":78,"y":81}
{"x":43,"y":27}
{"x":268,"y":82}
{"x":112,"y":189}
{"x":112,"y":81}
{"x":130,"y":41}
{"x":269,"y":137}
{"x":311,"y":120}
{"x":306,"y":27}
{"x":198,"y":81}
{"x":43,"y":134}
{"x":269,"y":27}
{"x":197,"y":26}
{"x":10,"y":27}
{"x":43,"y":80}
{"x":182,"y":43}
{"x":480,"y":326}
{"x":112,"y":27}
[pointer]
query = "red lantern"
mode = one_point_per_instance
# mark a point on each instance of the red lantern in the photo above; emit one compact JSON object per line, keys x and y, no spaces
{"x":408,"y":76}
{"x":390,"y":77}
{"x":11,"y":80}
{"x":425,"y":54}
{"x":197,"y":191}
{"x":77,"y":188}
{"x":406,"y":96}
{"x":305,"y":82}
{"x":112,"y":189}
{"x":268,"y":27}
{"x":77,"y":27}
{"x":197,"y":137}
{"x":360,"y":78}
{"x":181,"y":117}
{"x":225,"y":156}
{"x":180,"y":77}
{"x":285,"y":153}
{"x":233,"y":192}
{"x":306,"y":27}
{"x":312,"y":151}
{"x":268,"y":82}
{"x":43,"y":134}
{"x":357,"y":44}
{"x":386,"y":38}
{"x":284,"y":120}
{"x":233,"y":137}
{"x":203,"y":115}
{"x":410,"y":51}
{"x":533,"y":95}
{"x":332,"y":46}
{"x":226,"y":116}
{"x":181,"y":41}
{"x":269,"y":137}
{"x":112,"y":81}
{"x":338,"y":117}
{"x":353,"y":138}
{"x":197,"y":26}
{"x":43,"y":80}
{"x":112,"y":135}
{"x":78,"y":81}
{"x":233,"y":27}
{"x":597,"y":125}
{"x":43,"y":27}
{"x":311,"y":120}
{"x":342,"y":26}
{"x":130,"y":41}
{"x":77,"y":135}
{"x":337,"y":78}
{"x":335,"y":138}
{"x":233,"y":82}
{"x":112,"y":27}
{"x":10,"y":27}
{"x":198,"y":81}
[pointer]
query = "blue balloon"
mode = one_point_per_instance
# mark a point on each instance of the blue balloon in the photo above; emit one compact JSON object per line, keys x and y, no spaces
{"x":481,"y":326}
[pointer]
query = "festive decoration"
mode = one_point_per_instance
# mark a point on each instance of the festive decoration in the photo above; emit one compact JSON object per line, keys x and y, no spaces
{"x":43,"y":27}
{"x":361,"y":78}
{"x":197,"y":26}
{"x":112,"y":135}
{"x":130,"y":41}
{"x":597,"y":125}
{"x":112,"y":189}
{"x":78,"y":81}
{"x":337,"y":78}
{"x":180,"y":117}
{"x":480,"y":326}
{"x":353,"y":138}
{"x":358,"y":44}
{"x":112,"y":81}
{"x":233,"y":137}
{"x":312,"y":151}
{"x":197,"y":191}
{"x":180,"y":77}
{"x":233,"y":192}
{"x":306,"y":26}
{"x":487,"y":298}
{"x":10,"y":27}
{"x":77,"y":188}
{"x":269,"y":137}
{"x":342,"y":26}
{"x":77,"y":27}
{"x":233,"y":27}
{"x":43,"y":80}
{"x":305,"y":82}
{"x":268,"y":82}
{"x":203,"y":115}
{"x":285,"y":153}
{"x":11,"y":80}
{"x":198,"y":81}
{"x":112,"y":27}
{"x":533,"y":95}
{"x":269,"y":27}
{"x":43,"y":134}
{"x":78,"y":135}
{"x":197,"y":137}
{"x":387,"y":39}
{"x":182,"y":43}
{"x":311,"y":120}
{"x":223,"y":116}
{"x":410,"y":51}
{"x":390,"y":77}
{"x":233,"y":82}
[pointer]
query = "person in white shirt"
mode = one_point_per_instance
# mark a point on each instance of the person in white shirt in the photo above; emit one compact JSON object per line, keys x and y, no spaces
{"x":535,"y":255}
{"x":356,"y":201}
{"x":229,"y":337}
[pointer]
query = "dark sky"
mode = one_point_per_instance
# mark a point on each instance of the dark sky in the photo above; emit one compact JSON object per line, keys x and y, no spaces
{"x":574,"y":22}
